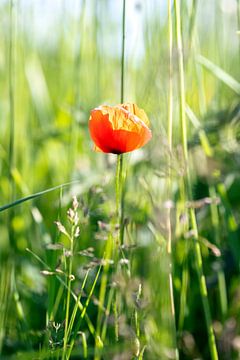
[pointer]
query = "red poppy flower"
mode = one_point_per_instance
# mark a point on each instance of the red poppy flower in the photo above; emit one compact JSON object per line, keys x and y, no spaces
{"x":119,"y":129}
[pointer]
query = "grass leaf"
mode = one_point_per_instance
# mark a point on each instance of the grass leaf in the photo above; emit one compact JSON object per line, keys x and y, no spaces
{"x":220,"y":73}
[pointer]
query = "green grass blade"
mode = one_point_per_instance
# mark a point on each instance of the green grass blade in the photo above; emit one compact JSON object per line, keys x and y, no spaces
{"x":219,"y":73}
{"x":201,"y":133}
{"x":34,"y":196}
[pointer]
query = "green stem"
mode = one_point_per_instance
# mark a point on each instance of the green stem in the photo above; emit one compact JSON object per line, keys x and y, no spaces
{"x":238,"y":22}
{"x":65,"y":341}
{"x":203,"y":289}
{"x":83,"y":313}
{"x":11,"y":94}
{"x":123,"y":49}
{"x":75,"y":309}
{"x":102,"y":295}
{"x":170,"y":84}
{"x":119,"y":225}
{"x":220,"y":273}
{"x":198,"y":255}
{"x":119,"y":178}
{"x":169,"y":180}
{"x":11,"y":101}
{"x":192,"y":22}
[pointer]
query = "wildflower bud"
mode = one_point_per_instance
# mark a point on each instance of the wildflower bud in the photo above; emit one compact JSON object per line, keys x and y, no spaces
{"x":71,"y":215}
{"x":183,"y":218}
{"x":124,"y":262}
{"x":59,"y":271}
{"x":47,"y":273}
{"x":105,"y":262}
{"x":75,"y":203}
{"x":77,"y":232}
{"x":61,"y":228}
{"x":216,"y":251}
{"x":67,"y":253}
{"x":117,"y":226}
{"x":56,"y":326}
{"x":76,"y":219}
{"x":103,"y":226}
{"x":136,"y":347}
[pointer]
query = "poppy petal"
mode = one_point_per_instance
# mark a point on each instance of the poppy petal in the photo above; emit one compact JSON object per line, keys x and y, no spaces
{"x":118,"y":130}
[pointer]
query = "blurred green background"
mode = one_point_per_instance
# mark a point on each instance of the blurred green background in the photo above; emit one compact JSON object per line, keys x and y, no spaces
{"x":58,"y":60}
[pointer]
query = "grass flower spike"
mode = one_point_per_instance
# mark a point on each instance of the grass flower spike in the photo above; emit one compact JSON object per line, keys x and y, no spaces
{"x":119,"y":129}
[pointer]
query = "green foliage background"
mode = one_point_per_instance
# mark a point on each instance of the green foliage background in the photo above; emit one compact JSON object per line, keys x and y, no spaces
{"x":60,"y":59}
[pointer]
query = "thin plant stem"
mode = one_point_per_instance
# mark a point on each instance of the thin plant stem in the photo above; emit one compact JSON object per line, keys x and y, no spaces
{"x":192,"y":22}
{"x":169,"y":179}
{"x":73,"y":138}
{"x":123,"y":50}
{"x":102,"y":293}
{"x":170,"y":74}
{"x":69,"y":281}
{"x":238,"y":23}
{"x":108,"y":307}
{"x":75,"y":309}
{"x":185,"y":271}
{"x":120,"y":200}
{"x":183,"y":296}
{"x":11,"y":101}
{"x":11,"y":64}
{"x":118,"y":239}
{"x":198,"y":255}
{"x":83,"y":313}
{"x":220,"y":273}
{"x":119,"y":183}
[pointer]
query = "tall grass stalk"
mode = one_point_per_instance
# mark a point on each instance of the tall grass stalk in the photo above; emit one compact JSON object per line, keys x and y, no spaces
{"x":11,"y":98}
{"x":11,"y":161}
{"x":213,"y":207}
{"x":169,"y":179}
{"x":123,"y":50}
{"x":69,"y":281}
{"x":220,"y":273}
{"x":119,"y":175}
{"x":11,"y":64}
{"x":99,"y":338}
{"x":199,"y":265}
{"x":238,"y":24}
{"x":73,"y":136}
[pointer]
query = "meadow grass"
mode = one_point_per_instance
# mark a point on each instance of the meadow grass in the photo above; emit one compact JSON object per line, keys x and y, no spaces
{"x":112,"y":256}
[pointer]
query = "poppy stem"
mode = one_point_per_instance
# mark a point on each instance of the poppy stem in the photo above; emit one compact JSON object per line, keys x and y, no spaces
{"x":119,"y":177}
{"x":119,"y":174}
{"x":123,"y":49}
